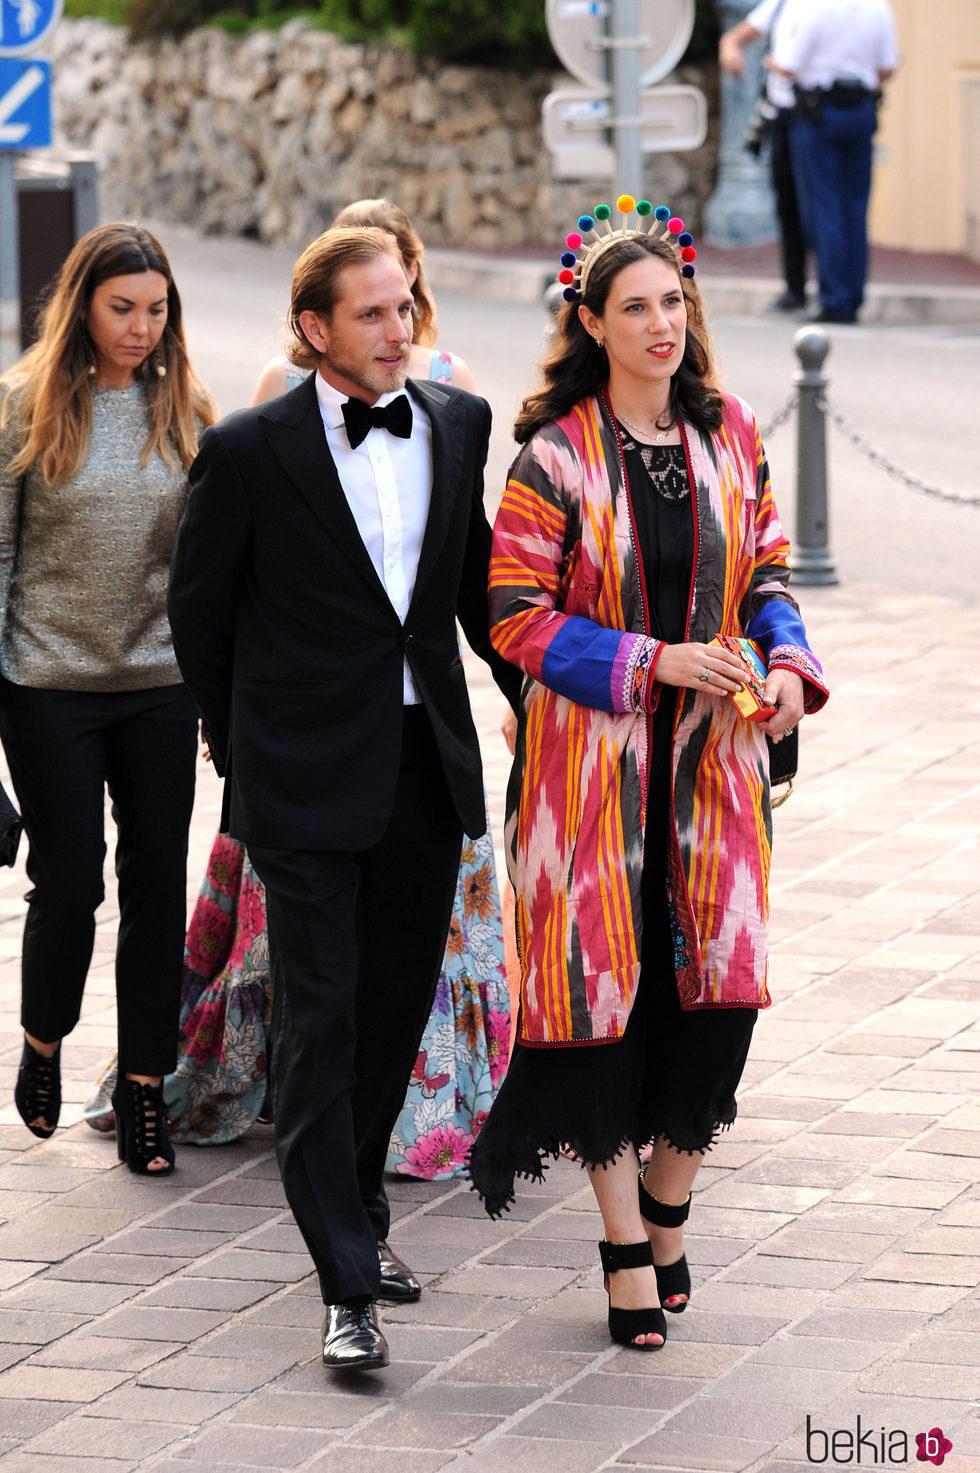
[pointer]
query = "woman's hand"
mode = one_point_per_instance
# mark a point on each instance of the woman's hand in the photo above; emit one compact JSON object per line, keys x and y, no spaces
{"x":784,"y":689}
{"x":205,"y":749}
{"x":508,"y":728}
{"x":686,"y":664}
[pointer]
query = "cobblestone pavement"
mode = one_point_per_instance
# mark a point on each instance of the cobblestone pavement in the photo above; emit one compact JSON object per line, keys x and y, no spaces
{"x":835,"y":1238}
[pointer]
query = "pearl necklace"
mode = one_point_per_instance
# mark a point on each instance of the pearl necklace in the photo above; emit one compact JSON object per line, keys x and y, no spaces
{"x":659,"y":437}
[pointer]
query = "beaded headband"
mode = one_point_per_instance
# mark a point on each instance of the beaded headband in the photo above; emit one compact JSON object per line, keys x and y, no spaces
{"x":575,"y":271}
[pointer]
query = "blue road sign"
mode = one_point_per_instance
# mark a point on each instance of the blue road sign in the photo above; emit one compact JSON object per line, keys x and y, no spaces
{"x":25,"y":23}
{"x":25,"y":104}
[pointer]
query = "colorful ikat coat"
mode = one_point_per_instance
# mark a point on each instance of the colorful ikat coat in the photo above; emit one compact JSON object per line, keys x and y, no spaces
{"x":568,"y":607}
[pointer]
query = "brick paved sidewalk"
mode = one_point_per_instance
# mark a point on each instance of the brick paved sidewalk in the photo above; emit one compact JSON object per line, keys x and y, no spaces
{"x":835,"y":1238}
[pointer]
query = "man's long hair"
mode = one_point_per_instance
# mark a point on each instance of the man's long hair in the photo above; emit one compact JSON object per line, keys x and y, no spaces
{"x":315,"y":276}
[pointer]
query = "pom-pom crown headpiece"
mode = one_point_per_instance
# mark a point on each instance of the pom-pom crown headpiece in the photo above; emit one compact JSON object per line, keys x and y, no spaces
{"x":574,"y":275}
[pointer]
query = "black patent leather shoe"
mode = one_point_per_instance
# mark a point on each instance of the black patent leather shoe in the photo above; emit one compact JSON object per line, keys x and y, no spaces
{"x":398,"y":1283}
{"x":352,"y":1338}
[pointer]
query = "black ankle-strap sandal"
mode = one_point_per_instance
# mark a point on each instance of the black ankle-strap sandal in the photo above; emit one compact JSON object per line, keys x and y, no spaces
{"x":626,"y":1324}
{"x":673,"y":1279}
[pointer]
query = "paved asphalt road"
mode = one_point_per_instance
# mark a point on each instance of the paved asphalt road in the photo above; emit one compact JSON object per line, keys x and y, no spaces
{"x":912,"y":390}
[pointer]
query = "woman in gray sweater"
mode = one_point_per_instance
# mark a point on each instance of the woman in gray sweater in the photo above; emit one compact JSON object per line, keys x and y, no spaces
{"x":98,"y":424}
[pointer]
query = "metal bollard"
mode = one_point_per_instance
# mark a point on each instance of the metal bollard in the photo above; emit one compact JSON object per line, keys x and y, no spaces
{"x":811,"y":561}
{"x":9,"y":264}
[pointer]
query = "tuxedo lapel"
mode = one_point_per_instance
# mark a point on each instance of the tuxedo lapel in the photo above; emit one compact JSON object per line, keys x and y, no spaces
{"x":445,"y":417}
{"x":294,"y":429}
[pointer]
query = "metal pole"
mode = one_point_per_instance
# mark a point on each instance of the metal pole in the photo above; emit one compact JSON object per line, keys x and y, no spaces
{"x":811,"y":562}
{"x":625,"y":78}
{"x":9,"y":264}
{"x":81,"y":166}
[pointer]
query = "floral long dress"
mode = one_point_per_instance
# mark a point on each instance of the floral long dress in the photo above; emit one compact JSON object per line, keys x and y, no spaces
{"x":219,"y":1085}
{"x":467,"y":1038}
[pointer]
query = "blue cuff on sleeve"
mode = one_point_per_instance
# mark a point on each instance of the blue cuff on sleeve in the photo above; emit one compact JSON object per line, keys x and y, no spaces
{"x":579,"y":662}
{"x":777,"y":622}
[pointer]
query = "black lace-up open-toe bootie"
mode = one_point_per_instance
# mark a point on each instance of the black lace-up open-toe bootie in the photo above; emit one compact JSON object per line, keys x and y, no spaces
{"x":37,"y":1093}
{"x":141,"y":1127}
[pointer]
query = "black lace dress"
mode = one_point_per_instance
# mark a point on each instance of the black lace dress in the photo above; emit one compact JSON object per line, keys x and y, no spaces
{"x":673,"y":1074}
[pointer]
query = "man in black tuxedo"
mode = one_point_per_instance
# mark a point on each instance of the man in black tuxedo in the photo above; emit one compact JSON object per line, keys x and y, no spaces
{"x":331,"y":539}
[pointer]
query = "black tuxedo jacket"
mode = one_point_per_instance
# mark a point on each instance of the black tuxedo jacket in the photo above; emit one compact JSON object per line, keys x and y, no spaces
{"x":288,"y":641}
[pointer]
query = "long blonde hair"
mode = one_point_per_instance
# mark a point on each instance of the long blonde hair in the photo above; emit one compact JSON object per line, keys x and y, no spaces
{"x":52,"y":384}
{"x":391,"y":217}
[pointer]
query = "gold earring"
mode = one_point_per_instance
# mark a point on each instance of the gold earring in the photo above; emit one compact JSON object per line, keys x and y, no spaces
{"x":88,"y":350}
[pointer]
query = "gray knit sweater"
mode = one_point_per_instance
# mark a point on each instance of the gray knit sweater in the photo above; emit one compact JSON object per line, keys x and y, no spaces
{"x":84,"y":565}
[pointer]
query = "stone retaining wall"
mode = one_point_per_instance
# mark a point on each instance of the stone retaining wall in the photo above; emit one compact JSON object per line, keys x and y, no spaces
{"x":269,"y":135}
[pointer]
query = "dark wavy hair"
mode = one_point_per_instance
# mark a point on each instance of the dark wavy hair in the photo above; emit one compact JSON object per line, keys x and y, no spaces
{"x":574,"y":367}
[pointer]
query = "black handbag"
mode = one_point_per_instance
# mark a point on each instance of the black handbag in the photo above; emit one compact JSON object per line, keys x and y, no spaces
{"x":10,"y":828}
{"x":783,"y":758}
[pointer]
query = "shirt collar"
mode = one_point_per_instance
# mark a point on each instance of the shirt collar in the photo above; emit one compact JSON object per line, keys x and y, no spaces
{"x":331,"y":401}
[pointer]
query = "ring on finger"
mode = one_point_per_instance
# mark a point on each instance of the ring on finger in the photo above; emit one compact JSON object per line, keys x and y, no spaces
{"x":705,"y":675}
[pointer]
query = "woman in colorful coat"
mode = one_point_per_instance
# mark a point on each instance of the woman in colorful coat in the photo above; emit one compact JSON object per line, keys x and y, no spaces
{"x":637,"y":525}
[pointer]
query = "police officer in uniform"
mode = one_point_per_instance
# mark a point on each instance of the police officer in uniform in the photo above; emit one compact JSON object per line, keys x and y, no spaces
{"x":837,"y":53}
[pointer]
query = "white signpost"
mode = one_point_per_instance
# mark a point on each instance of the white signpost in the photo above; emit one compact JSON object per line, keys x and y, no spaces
{"x":576,"y":124}
{"x":579,"y":32}
{"x":25,"y":122}
{"x":620,"y":50}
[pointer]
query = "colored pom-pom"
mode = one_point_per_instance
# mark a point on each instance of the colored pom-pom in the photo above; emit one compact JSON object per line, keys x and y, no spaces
{"x":675,"y":224}
{"x":568,"y":258}
{"x":686,"y":239}
{"x":643,"y":207}
{"x":566,"y":277}
{"x":687,"y":271}
{"x":586,"y":223}
{"x":573,"y":241}
{"x":571,"y":293}
{"x":602,"y":212}
{"x":662,"y":212}
{"x":625,"y":204}
{"x":688,"y":253}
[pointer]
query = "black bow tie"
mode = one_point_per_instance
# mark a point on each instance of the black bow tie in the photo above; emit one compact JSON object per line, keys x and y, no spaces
{"x":359,"y":417}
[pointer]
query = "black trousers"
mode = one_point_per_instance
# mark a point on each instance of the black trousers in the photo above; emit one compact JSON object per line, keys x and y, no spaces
{"x":792,"y":238}
{"x":63,"y":749}
{"x":356,"y":940}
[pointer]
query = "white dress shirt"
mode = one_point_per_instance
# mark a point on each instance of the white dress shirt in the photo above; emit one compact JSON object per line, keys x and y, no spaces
{"x":388,"y":484}
{"x":766,"y":18}
{"x":824,"y":41}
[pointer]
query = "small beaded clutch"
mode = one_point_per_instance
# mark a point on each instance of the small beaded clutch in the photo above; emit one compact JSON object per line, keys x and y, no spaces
{"x":750,"y":701}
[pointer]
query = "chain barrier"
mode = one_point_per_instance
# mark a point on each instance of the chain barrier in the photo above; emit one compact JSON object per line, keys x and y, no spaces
{"x":914,"y":483}
{"x":781,"y":416}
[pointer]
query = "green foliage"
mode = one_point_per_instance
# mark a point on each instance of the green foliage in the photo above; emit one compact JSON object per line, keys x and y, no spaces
{"x":114,"y":11}
{"x":490,"y":32}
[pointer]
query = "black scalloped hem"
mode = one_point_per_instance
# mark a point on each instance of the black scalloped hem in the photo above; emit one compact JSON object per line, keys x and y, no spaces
{"x":493,"y":1176}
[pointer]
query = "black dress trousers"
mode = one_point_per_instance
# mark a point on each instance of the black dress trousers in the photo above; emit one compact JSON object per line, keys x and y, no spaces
{"x":356,"y":940}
